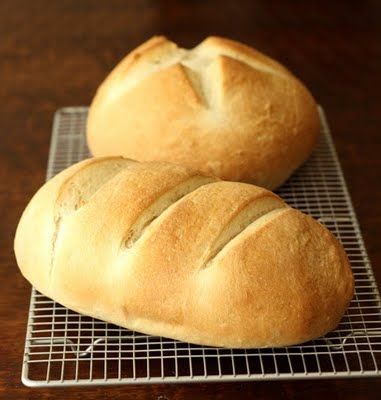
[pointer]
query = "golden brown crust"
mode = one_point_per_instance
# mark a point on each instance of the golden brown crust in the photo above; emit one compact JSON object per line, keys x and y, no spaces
{"x":221,"y":108}
{"x":161,"y":249}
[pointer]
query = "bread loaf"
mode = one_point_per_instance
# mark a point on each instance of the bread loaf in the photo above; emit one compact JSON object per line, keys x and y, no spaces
{"x":161,"y":249}
{"x":222,"y":108}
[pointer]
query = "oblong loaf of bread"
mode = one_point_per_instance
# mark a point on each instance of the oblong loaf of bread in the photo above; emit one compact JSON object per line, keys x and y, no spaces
{"x":161,"y":249}
{"x":222,"y":108}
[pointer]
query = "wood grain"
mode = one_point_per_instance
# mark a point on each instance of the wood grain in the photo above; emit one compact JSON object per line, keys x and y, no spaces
{"x":55,"y":53}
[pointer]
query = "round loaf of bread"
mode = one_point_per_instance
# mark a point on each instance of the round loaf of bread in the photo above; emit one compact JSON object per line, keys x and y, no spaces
{"x":222,"y":108}
{"x":160,"y":249}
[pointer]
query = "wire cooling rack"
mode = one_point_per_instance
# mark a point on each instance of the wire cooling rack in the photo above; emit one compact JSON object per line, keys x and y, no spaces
{"x":65,"y":348}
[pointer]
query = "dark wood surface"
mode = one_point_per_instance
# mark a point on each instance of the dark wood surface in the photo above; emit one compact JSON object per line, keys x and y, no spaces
{"x":55,"y":53}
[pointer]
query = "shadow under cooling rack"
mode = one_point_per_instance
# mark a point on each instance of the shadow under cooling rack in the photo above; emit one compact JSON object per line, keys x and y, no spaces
{"x":66,"y":348}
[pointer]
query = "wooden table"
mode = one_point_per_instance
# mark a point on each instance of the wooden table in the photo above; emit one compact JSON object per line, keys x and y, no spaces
{"x":54,"y":54}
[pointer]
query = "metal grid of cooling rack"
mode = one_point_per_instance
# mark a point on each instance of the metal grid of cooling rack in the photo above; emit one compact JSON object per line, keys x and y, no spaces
{"x":65,"y":348}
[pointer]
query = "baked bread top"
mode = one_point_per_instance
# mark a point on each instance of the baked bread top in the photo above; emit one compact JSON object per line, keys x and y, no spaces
{"x":164,"y":250}
{"x":222,"y":108}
